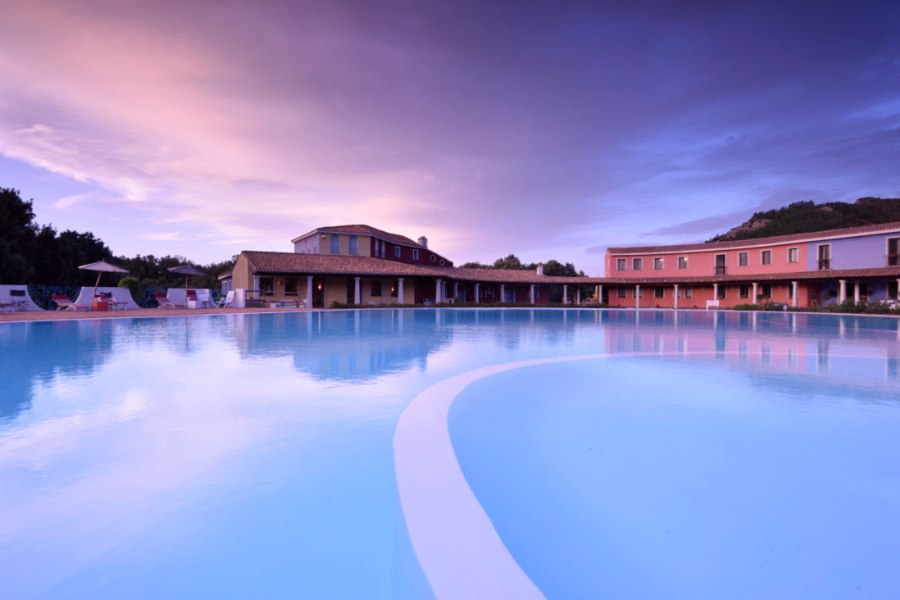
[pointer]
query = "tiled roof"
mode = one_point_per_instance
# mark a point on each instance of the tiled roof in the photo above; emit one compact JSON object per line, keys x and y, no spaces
{"x":323,"y":264}
{"x":394,"y":238}
{"x":315,"y":264}
{"x":780,"y":239}
{"x":849,"y":274}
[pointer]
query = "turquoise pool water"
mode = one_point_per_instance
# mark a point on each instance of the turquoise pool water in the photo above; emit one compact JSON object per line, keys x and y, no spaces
{"x":451,"y":453}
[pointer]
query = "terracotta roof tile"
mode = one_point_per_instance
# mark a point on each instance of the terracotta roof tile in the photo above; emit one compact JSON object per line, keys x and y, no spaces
{"x":780,"y":239}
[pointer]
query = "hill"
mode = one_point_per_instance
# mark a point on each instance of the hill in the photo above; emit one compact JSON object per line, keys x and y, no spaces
{"x":805,"y":217}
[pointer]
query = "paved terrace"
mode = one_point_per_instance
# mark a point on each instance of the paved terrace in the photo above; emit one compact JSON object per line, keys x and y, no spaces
{"x":62,"y":315}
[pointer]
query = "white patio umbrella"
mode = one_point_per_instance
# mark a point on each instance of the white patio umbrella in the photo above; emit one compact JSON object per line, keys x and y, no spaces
{"x":102,"y":267}
{"x":187,"y":271}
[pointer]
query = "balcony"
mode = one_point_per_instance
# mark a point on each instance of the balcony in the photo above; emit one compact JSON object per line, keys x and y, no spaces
{"x":720,"y":271}
{"x":824,"y":264}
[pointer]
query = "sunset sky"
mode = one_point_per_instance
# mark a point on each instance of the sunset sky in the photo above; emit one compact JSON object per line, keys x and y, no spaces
{"x":549,"y":130}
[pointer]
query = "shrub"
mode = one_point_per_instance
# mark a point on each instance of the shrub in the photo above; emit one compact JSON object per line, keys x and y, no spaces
{"x":133,"y":285}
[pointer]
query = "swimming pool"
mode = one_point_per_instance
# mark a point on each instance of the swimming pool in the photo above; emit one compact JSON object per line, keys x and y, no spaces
{"x":451,"y":453}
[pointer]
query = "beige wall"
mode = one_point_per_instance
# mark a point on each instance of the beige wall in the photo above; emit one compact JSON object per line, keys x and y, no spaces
{"x":240,"y":276}
{"x":386,"y":298}
{"x":364,"y":244}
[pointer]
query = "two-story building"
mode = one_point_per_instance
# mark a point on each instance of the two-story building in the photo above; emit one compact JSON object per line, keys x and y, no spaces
{"x":359,"y":264}
{"x":810,"y":269}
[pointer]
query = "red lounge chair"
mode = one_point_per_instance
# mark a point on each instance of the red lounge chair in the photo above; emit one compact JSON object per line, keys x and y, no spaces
{"x":63,"y":303}
{"x":164,"y":301}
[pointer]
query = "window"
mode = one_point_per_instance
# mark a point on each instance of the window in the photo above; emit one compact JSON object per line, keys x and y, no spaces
{"x":892,"y":290}
{"x":415,"y":254}
{"x":335,"y":244}
{"x":682,"y":262}
{"x":720,"y":264}
{"x":267,"y":285}
{"x":637,"y":264}
{"x":396,"y":251}
{"x":793,"y":255}
{"x":354,"y":248}
{"x":640,"y":293}
{"x":765,"y":257}
{"x":291,"y":286}
{"x":893,"y":253}
{"x":765,"y":291}
{"x":723,"y":293}
{"x":790,"y":288}
{"x":442,"y":262}
{"x":621,"y":292}
{"x":824,"y":255}
{"x":375,"y":290}
{"x":659,"y":292}
{"x":744,"y":291}
{"x":394,"y":287}
{"x":743,"y":259}
{"x":621,"y":264}
{"x":433,"y":258}
{"x":658,"y":264}
{"x":688,"y":292}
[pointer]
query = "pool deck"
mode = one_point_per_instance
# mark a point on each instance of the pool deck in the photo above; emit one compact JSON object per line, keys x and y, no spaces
{"x":59,"y":315}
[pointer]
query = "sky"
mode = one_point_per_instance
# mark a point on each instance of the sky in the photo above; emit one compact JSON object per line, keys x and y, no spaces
{"x":545,"y":129}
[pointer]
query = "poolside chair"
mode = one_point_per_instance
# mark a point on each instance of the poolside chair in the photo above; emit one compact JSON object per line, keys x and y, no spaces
{"x":164,"y":301}
{"x":7,"y":306}
{"x":63,"y":303}
{"x":226,"y":300}
{"x":204,"y":297}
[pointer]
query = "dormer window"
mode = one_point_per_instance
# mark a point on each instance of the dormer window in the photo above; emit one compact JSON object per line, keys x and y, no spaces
{"x":396,"y":251}
{"x":415,"y":254}
{"x":335,"y":244}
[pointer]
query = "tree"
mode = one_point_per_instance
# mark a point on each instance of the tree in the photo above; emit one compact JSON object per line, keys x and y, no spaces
{"x":17,"y":237}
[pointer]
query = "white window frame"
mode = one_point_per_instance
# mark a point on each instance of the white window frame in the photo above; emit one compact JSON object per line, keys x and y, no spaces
{"x":353,"y":245}
{"x":742,"y":255}
{"x":762,"y":254}
{"x":636,"y":260}
{"x":661,"y":261}
{"x":686,"y":262}
{"x":621,"y":292}
{"x":688,"y":293}
{"x":397,"y":251}
{"x":741,"y":294}
{"x":433,"y":258}
{"x":621,"y":264}
{"x":796,"y":249}
{"x":887,"y":250}
{"x":819,"y":254}
{"x":659,"y":292}
{"x":415,"y":254}
{"x":335,"y":238}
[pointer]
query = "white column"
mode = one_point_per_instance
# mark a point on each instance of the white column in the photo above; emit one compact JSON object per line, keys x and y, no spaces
{"x":599,"y":294}
{"x":437,"y":292}
{"x":400,"y":290}
{"x":502,"y":292}
{"x":637,"y":296}
{"x":309,"y":291}
{"x":565,"y":294}
{"x":676,"y":295}
{"x":256,"y":293}
{"x":755,"y":292}
{"x":856,"y":292}
{"x":715,"y":291}
{"x":356,"y":297}
{"x":477,"y":292}
{"x":795,"y":290}
{"x":577,"y":295}
{"x":532,"y":297}
{"x":842,"y":293}
{"x":456,"y":289}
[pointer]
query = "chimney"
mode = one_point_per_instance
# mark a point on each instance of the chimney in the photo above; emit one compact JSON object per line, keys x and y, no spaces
{"x":423,"y":241}
{"x":540,"y":268}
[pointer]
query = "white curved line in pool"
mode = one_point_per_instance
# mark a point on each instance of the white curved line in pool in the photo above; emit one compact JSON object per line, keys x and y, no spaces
{"x":454,"y":540}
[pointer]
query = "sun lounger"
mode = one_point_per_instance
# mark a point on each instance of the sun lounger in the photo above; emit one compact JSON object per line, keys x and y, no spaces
{"x":63,"y":303}
{"x":226,"y":300}
{"x":164,"y":301}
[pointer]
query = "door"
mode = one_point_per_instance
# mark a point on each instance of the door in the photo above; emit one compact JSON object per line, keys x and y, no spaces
{"x":893,"y":252}
{"x":824,"y":257}
{"x":720,"y":264}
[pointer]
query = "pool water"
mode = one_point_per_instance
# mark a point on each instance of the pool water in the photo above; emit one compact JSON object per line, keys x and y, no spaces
{"x":451,"y":453}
